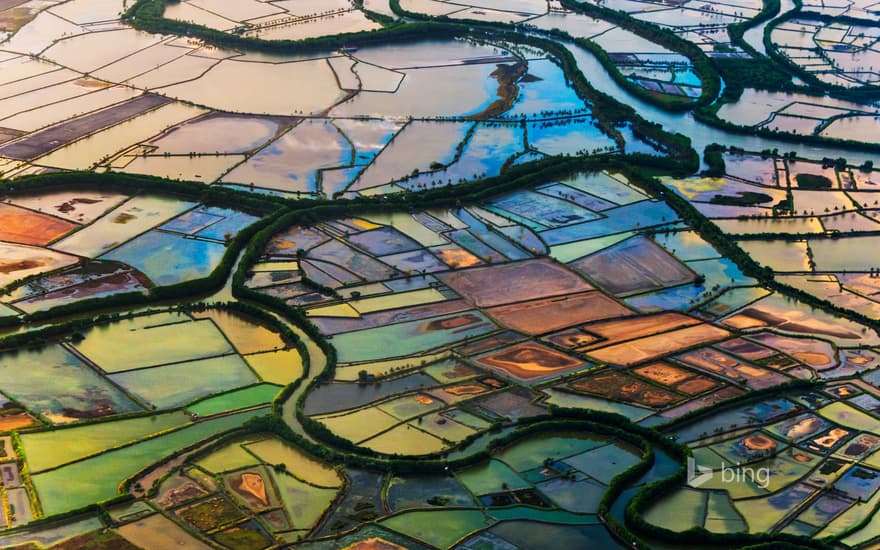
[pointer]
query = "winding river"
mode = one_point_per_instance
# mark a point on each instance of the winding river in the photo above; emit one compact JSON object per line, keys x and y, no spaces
{"x":702,"y":134}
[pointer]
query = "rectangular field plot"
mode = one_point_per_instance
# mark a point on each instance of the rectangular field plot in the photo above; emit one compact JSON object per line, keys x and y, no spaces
{"x":550,"y":314}
{"x":76,"y":206}
{"x":652,"y":347}
{"x":275,"y":451}
{"x":42,"y":142}
{"x":619,"y":386}
{"x":97,"y":479}
{"x":540,"y":211}
{"x":405,"y":439}
{"x":52,"y":382}
{"x":173,"y":386}
{"x":246,"y":334}
{"x":50,"y":449}
{"x":291,"y":163}
{"x":359,"y":425}
{"x":21,"y":261}
{"x":439,"y":528}
{"x":648,"y":213}
{"x":130,"y":219}
{"x":136,"y":343}
{"x":633,"y":266}
{"x":514,"y":282}
{"x":411,"y":337}
{"x":530,"y":362}
{"x":637,"y":327}
{"x":167,"y":258}
{"x":95,"y":280}
{"x":18,"y":225}
{"x":160,"y":532}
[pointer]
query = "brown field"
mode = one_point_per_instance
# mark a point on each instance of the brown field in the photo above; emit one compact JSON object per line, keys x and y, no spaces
{"x":636,"y":327}
{"x":466,"y":389}
{"x":514,"y":404}
{"x":18,"y":225}
{"x":831,"y":438}
{"x":251,"y":486}
{"x":514,"y":282}
{"x":659,"y":345}
{"x":457,"y":394}
{"x":742,"y":322}
{"x":7,"y":134}
{"x":710,"y":359}
{"x":763,"y":314}
{"x":458,"y":371}
{"x":487,"y":344}
{"x":759,"y":442}
{"x":571,"y":338}
{"x":188,"y":491}
{"x":722,"y":394}
{"x":16,"y":421}
{"x":717,"y":362}
{"x":530,"y":361}
{"x":550,"y":314}
{"x":812,"y":358}
{"x":697,"y":385}
{"x":457,"y":257}
{"x":374,"y":544}
{"x":633,"y":266}
{"x":746,"y":349}
{"x":663,"y":373}
{"x":620,"y":386}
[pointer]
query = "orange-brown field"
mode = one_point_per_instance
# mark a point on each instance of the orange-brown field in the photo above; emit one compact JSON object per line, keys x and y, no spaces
{"x":466,"y":389}
{"x":190,"y":490}
{"x":633,"y":266}
{"x":764,"y":314}
{"x":457,"y":258}
{"x":636,"y":327}
{"x":572,"y":338}
{"x":759,"y":442}
{"x":697,"y":385}
{"x":716,"y":362}
{"x":831,"y":438}
{"x":374,"y":544}
{"x":679,"y":379}
{"x":620,"y":386}
{"x":16,"y":421}
{"x":746,"y":349}
{"x":663,"y":373}
{"x":550,"y":314}
{"x":457,"y":394}
{"x":514,"y":282}
{"x":489,"y":343}
{"x":711,"y":359}
{"x":18,"y":225}
{"x":529,"y":361}
{"x":252,"y":487}
{"x":659,"y":345}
